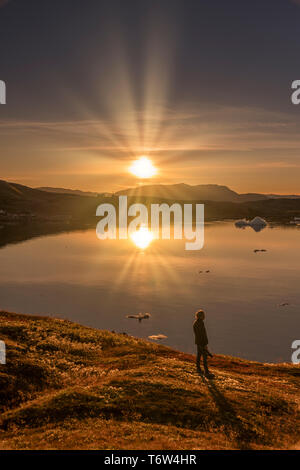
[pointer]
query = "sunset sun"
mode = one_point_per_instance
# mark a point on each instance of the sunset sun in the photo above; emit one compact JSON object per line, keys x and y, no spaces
{"x":143,"y":168}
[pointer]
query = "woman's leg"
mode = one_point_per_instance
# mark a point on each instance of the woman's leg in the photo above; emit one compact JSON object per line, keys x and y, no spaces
{"x":205,"y":361}
{"x":199,"y":353}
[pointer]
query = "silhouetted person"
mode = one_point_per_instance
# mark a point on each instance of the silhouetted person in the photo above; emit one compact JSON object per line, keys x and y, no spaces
{"x":202,"y":341}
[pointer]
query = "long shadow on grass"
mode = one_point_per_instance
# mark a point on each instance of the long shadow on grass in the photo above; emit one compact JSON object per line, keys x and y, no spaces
{"x":244,"y":434}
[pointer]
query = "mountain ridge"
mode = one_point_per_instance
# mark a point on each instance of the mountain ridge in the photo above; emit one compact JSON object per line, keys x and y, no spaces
{"x":18,"y":202}
{"x":69,"y":386}
{"x":77,"y":192}
{"x":183,"y":191}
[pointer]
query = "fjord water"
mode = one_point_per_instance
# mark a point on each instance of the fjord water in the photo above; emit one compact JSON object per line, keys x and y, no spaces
{"x":97,"y":283}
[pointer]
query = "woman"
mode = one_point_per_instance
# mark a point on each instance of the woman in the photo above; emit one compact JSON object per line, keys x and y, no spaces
{"x":202,"y":341}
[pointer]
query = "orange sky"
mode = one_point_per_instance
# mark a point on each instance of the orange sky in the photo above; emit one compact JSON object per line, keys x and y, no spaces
{"x":250,"y":150}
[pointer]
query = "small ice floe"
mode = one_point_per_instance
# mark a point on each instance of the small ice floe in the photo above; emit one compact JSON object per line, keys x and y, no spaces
{"x":242,"y":223}
{"x":157,"y":337}
{"x":257,"y":223}
{"x":295,"y":221}
{"x":139,"y":316}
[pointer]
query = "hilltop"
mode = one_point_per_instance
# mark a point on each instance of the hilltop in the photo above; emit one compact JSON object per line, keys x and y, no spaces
{"x":77,"y":192}
{"x":67,"y":386}
{"x":179,"y":191}
{"x":19,"y":203}
{"x":186,"y":192}
{"x":19,"y":199}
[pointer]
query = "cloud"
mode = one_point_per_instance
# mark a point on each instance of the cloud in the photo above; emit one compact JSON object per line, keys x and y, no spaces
{"x":224,"y":144}
{"x":183,"y":134}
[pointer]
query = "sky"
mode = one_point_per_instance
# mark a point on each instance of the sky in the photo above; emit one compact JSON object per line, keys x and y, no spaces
{"x":201,"y":87}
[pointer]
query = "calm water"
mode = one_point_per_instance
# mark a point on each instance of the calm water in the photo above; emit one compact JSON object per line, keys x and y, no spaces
{"x":97,"y":283}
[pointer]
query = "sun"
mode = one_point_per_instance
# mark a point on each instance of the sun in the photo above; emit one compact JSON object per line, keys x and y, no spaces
{"x":143,"y":168}
{"x":142,"y":238}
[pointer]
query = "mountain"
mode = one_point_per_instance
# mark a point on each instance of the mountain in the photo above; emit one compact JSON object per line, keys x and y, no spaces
{"x":68,"y":386}
{"x":14,"y":191}
{"x":283,"y":196}
{"x":67,"y":191}
{"x":185,"y":192}
{"x":22,"y":206}
{"x":17,"y":199}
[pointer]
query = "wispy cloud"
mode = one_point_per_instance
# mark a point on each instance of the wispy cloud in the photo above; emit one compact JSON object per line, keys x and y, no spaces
{"x":190,"y":139}
{"x":216,"y":141}
{"x":219,"y":128}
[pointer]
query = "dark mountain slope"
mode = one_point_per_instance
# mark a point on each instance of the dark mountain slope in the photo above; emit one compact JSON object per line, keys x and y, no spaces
{"x":185,"y":192}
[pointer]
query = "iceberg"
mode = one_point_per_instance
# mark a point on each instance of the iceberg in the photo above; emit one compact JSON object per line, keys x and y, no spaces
{"x":242,"y":223}
{"x":257,"y":223}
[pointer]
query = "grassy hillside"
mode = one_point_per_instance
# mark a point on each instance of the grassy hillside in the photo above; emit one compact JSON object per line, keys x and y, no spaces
{"x":66,"y":386}
{"x":73,"y":208}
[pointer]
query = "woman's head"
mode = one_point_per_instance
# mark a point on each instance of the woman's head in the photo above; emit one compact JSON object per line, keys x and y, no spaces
{"x":200,"y":315}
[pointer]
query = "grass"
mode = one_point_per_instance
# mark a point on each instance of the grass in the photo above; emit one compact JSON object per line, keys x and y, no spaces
{"x":66,"y":386}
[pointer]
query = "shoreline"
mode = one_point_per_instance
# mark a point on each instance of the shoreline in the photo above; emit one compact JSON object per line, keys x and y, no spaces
{"x":63,"y":318}
{"x":18,"y":233}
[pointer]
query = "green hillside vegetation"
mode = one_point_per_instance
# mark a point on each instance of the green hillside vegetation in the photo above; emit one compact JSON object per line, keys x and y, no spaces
{"x":66,"y":386}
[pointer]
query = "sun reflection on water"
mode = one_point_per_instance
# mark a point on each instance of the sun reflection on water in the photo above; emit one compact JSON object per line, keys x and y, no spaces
{"x":142,"y":238}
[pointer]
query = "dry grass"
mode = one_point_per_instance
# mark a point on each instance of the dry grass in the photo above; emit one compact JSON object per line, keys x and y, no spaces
{"x":66,"y":386}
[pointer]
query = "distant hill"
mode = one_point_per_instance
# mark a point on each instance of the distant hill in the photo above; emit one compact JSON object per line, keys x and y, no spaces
{"x":181,"y":191}
{"x":19,"y":203}
{"x":283,"y":196}
{"x":19,"y":199}
{"x":68,"y":191}
{"x":9,"y":191}
{"x":185,"y":192}
{"x":18,"y":196}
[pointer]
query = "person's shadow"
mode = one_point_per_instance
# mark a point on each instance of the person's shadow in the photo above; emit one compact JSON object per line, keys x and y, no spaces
{"x":233,"y":424}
